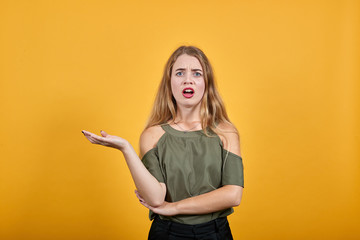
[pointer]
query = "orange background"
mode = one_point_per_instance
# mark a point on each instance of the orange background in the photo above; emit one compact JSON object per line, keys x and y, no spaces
{"x":288,"y":72}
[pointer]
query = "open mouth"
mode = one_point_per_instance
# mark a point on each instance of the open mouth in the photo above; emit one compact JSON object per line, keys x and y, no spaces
{"x":188,"y":92}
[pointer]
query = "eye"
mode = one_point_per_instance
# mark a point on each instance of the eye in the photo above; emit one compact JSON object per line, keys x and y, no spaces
{"x":177,"y":74}
{"x":198,"y":74}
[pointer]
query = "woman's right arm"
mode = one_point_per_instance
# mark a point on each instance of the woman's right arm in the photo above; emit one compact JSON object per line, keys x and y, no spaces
{"x":146,"y":184}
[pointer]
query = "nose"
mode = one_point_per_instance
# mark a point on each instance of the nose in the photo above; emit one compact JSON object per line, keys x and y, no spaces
{"x":188,"y":79}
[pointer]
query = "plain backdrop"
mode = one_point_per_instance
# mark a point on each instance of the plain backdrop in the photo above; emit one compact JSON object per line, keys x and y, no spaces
{"x":288,"y":72}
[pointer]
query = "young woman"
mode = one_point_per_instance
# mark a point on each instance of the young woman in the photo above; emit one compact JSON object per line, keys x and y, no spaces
{"x":190,"y":175}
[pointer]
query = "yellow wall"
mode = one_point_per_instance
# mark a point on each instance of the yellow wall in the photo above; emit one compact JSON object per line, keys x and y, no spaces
{"x":289,"y":75}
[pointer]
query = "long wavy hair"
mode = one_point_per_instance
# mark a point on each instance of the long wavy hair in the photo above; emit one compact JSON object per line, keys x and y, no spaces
{"x":212,"y":110}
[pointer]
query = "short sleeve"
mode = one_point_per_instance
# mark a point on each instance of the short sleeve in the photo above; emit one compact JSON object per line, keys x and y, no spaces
{"x":151,"y":162}
{"x":233,"y":170}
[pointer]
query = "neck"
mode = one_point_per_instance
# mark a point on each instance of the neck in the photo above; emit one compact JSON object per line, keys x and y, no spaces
{"x":188,"y":115}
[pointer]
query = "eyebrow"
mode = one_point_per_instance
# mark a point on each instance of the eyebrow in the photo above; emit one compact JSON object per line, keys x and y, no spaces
{"x":194,"y":69}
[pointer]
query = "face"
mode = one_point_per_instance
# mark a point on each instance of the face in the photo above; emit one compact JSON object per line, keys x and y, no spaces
{"x":187,"y":81}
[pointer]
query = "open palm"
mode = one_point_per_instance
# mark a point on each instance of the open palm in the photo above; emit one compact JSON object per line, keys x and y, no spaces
{"x":106,"y":140}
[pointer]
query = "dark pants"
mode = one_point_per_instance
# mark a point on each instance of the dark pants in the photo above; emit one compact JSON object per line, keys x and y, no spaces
{"x":217,"y":229}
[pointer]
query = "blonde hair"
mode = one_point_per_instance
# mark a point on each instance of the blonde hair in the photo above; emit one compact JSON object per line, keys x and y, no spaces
{"x":212,"y":110}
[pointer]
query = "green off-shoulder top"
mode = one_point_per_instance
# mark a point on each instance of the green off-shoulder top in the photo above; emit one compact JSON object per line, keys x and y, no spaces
{"x":190,"y":164}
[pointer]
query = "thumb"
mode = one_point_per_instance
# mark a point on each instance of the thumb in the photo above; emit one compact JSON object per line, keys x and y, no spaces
{"x":103,"y":133}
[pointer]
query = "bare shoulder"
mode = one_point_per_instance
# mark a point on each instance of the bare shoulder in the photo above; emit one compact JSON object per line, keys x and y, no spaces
{"x":149,"y":138}
{"x":230,"y":137}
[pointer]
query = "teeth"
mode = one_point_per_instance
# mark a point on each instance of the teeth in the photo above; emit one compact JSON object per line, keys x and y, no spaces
{"x":188,"y":91}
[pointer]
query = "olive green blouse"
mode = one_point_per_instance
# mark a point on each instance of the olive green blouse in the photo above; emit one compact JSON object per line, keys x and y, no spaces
{"x":190,"y":164}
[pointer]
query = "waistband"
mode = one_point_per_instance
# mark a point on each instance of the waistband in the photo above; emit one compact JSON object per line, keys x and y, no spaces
{"x":215,"y":225}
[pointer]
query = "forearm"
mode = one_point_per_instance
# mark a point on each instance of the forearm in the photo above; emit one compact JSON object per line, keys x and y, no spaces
{"x":151,"y":190}
{"x":146,"y":184}
{"x":219,"y":199}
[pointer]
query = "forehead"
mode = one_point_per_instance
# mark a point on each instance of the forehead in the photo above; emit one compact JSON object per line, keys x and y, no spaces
{"x":184,"y":61}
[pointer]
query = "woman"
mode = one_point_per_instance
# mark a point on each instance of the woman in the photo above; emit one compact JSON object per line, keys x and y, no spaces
{"x":191,"y":172}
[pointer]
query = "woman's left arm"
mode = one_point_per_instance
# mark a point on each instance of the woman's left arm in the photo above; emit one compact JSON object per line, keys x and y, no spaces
{"x":216,"y":200}
{"x":219,"y":199}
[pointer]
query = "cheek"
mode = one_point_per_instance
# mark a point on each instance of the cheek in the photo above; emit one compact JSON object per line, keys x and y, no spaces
{"x":202,"y":87}
{"x":173,"y":85}
{"x":174,"y":88}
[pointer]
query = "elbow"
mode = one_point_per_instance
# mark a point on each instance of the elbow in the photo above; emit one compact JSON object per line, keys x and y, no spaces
{"x":236,"y":197}
{"x":156,"y":202}
{"x":155,"y":198}
{"x":236,"y":202}
{"x":159,"y":199}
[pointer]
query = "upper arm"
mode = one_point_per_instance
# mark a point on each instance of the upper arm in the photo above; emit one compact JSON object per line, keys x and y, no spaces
{"x":149,"y":138}
{"x":231,"y":142}
{"x":230,"y":138}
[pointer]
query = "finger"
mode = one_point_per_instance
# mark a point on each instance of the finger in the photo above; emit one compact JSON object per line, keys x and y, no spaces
{"x":86,"y":133}
{"x":89,"y":137}
{"x":89,"y":134}
{"x":103,"y":133}
{"x":142,"y":203}
{"x":95,"y":140}
{"x":98,"y":139}
{"x":138,"y":196}
{"x":145,"y":204}
{"x":151,"y":208}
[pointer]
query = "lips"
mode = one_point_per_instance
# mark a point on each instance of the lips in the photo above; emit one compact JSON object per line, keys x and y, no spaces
{"x":188,"y":92}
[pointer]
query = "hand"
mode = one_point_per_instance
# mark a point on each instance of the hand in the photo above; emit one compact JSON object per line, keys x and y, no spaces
{"x":166,"y":209}
{"x":106,"y":140}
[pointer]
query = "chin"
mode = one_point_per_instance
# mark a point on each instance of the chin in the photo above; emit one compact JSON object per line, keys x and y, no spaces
{"x":188,"y":104}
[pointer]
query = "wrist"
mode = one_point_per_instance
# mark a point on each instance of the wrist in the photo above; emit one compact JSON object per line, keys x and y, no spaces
{"x":176,"y":207}
{"x":125,"y":148}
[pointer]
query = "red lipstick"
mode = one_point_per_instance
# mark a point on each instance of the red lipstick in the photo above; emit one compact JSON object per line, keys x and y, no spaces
{"x":188,"y":92}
